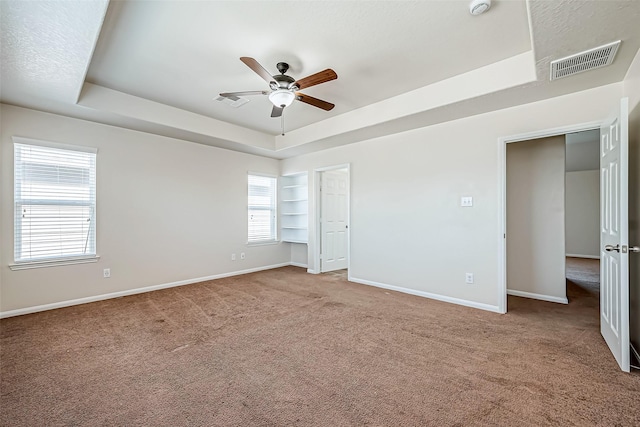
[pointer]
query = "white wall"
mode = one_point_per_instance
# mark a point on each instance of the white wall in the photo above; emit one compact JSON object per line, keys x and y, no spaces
{"x":299,"y":254}
{"x":582,"y":196}
{"x":536,"y":218}
{"x":407,"y":227}
{"x":167,"y":211}
{"x":632,"y":90}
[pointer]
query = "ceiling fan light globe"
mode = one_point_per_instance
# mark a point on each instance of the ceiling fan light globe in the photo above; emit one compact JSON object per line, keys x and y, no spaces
{"x":282,"y":97}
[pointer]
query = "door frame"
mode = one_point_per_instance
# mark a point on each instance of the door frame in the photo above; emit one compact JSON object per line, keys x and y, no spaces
{"x":502,"y":192}
{"x":317,"y":174}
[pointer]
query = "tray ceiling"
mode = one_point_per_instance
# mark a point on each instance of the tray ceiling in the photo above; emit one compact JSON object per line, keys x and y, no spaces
{"x":158,"y":66}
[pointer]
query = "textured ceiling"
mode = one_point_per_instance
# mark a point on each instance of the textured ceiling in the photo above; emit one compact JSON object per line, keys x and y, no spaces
{"x":158,"y":65}
{"x":47,"y":46}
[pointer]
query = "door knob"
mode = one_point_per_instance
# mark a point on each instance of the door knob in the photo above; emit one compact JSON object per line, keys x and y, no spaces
{"x":611,"y":248}
{"x":634,"y":249}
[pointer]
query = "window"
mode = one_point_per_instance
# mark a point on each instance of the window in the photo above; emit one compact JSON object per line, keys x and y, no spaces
{"x":55,"y":202}
{"x":262,"y":208}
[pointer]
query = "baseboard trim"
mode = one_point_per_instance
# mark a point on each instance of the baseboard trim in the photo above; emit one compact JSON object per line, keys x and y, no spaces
{"x":582,"y":256}
{"x":311,"y":271}
{"x":452,"y":300}
{"x":102,"y":297}
{"x":541,"y":297}
{"x":298,"y":264}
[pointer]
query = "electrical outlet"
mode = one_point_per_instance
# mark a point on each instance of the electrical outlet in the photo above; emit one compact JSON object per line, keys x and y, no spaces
{"x":468,"y":278}
{"x":233,"y":257}
{"x":466,"y":201}
{"x":242,"y":255}
{"x":106,"y":273}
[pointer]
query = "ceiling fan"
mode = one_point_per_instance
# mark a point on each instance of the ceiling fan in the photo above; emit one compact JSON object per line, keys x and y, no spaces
{"x":284,"y":89}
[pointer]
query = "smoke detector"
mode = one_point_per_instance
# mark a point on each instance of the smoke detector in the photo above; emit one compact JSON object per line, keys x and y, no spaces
{"x":478,"y":7}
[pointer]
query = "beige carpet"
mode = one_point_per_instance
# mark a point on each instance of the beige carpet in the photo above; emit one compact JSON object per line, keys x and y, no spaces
{"x":285,"y":348}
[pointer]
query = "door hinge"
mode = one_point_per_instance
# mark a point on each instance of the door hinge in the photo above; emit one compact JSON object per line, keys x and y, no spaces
{"x":320,"y":256}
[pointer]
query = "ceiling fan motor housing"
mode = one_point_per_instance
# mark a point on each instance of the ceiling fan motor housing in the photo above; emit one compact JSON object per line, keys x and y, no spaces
{"x":284,"y":82}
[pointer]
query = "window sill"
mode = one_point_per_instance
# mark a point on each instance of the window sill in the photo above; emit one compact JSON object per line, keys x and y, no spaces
{"x":53,"y":263}
{"x":264,"y":243}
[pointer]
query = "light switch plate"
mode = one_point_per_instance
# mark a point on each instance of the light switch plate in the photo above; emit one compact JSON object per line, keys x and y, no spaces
{"x":466,"y":201}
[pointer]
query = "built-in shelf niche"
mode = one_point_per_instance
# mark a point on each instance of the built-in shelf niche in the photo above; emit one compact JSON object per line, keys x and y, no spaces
{"x":294,"y":208}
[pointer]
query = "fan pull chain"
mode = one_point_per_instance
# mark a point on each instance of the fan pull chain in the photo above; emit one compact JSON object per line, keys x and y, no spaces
{"x":282,"y":120}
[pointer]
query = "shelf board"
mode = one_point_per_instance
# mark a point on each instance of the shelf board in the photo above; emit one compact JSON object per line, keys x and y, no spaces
{"x":295,"y":200}
{"x":294,"y":241}
{"x":294,"y":186}
{"x":294,"y":228}
{"x":293,"y":213}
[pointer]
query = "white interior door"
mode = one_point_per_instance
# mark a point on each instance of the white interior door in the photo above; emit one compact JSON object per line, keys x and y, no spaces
{"x":333,"y":220}
{"x":614,"y":234}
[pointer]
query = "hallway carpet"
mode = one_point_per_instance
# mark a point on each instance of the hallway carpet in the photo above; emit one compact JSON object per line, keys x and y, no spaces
{"x":584,"y":273}
{"x":286,"y":348}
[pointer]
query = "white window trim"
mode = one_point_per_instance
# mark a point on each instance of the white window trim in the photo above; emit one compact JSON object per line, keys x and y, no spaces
{"x":41,"y":143}
{"x":27,"y":265}
{"x":263,"y":242}
{"x":84,"y":259}
{"x":275,"y":240}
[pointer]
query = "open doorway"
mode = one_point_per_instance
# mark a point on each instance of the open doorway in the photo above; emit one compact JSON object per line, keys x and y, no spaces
{"x":333,"y":220}
{"x":614,"y":304}
{"x":552,"y":219}
{"x":558,"y":147}
{"x":535,"y":219}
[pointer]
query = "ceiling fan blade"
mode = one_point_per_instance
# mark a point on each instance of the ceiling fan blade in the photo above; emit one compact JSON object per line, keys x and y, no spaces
{"x":276,"y":111}
{"x":317,"y":78}
{"x":257,"y":68}
{"x":327,"y":106}
{"x":245,"y":93}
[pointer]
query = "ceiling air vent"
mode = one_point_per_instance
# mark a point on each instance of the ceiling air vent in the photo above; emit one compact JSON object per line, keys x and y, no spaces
{"x":584,"y":61}
{"x":233,"y":101}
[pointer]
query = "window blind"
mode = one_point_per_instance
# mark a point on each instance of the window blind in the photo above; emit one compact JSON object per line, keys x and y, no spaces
{"x":55,"y":203}
{"x":262,"y":208}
